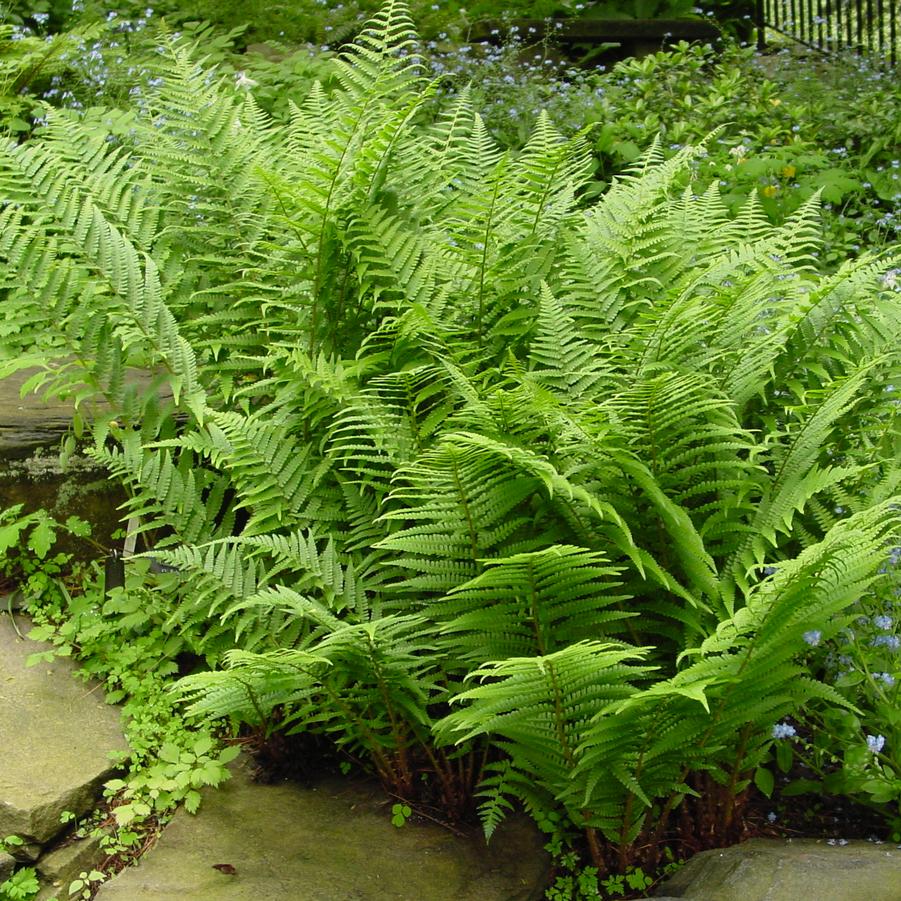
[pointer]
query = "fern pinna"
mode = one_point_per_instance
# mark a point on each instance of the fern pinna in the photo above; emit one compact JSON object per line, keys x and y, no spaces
{"x":503,"y":492}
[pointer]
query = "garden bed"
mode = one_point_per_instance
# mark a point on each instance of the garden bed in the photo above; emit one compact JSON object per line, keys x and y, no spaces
{"x":557,"y":473}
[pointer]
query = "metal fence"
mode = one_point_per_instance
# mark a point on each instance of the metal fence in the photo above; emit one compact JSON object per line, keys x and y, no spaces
{"x":863,"y":26}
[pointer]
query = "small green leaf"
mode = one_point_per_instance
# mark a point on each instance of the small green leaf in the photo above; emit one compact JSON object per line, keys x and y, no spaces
{"x":124,"y":814}
{"x":764,"y":780}
{"x":801,"y":787}
{"x":227,"y":755}
{"x":9,"y":535}
{"x":41,"y":538}
{"x":170,"y":752}
{"x":78,"y":527}
{"x":784,"y":756}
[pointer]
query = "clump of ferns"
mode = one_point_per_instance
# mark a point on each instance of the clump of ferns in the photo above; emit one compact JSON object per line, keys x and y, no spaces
{"x":477,"y":483}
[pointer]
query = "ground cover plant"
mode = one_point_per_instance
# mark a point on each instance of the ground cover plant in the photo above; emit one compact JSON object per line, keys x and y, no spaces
{"x":515,"y":496}
{"x":790,"y":125}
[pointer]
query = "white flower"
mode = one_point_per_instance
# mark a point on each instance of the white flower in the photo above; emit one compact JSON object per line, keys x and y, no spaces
{"x":242,"y":81}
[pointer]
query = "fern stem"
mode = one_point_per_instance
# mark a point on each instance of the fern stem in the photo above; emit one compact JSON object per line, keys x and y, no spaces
{"x":533,"y":608}
{"x":733,"y":778}
{"x":397,"y":732}
{"x":596,"y":850}
{"x":383,"y":764}
{"x":559,"y":724}
{"x":464,"y":502}
{"x":317,"y":280}
{"x":484,"y":261}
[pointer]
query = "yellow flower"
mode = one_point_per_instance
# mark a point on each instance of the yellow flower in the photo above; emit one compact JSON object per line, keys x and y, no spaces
{"x":770,"y":190}
{"x":775,"y":101}
{"x":788,"y":171}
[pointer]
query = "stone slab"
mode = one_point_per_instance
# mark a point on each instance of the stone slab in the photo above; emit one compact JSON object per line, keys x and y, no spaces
{"x":59,"y":867}
{"x":36,"y":420}
{"x":334,"y":842}
{"x":772,"y":870}
{"x":56,"y":735}
{"x":7,"y":865}
{"x":29,"y":421}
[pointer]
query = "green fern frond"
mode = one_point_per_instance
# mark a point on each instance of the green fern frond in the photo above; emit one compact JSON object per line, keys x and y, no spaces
{"x":533,"y":603}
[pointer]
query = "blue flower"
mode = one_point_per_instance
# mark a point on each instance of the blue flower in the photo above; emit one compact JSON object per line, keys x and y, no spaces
{"x":882,"y":622}
{"x":875,"y":743}
{"x":892,"y":642}
{"x":813,"y":637}
{"x":783,"y":730}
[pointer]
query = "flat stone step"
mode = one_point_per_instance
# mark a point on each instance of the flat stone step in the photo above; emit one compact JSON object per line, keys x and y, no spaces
{"x":334,"y":842}
{"x":773,"y":870}
{"x":56,"y":736}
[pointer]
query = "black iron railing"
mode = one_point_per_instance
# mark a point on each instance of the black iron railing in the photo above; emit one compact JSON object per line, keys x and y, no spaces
{"x":863,"y":26}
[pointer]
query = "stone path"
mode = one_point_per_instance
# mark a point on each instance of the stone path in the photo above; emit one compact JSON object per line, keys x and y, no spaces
{"x":334,"y":842}
{"x":56,"y":735}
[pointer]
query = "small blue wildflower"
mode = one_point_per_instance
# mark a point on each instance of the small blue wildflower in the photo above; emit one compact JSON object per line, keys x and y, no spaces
{"x":882,"y":622}
{"x":875,"y":743}
{"x":783,"y":730}
{"x":892,"y":642}
{"x":887,"y":678}
{"x":813,"y":637}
